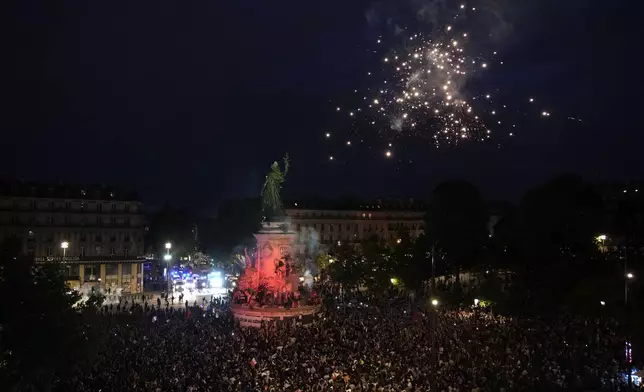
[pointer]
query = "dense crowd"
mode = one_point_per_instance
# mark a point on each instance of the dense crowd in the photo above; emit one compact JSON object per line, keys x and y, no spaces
{"x":347,"y":348}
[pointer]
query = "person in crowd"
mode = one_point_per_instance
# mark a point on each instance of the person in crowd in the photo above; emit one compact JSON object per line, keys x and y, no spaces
{"x":377,"y":346}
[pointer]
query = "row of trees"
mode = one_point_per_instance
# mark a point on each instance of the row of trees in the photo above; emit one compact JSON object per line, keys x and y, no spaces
{"x":547,"y":245}
{"x":549,"y":236}
{"x":44,"y":329}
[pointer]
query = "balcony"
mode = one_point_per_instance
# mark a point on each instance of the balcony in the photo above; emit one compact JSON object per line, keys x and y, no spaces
{"x":80,"y":225}
{"x":70,"y":210}
{"x":90,"y":259}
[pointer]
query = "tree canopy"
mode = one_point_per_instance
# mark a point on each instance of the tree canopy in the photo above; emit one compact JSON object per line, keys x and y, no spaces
{"x":457,"y":223}
{"x":41,"y":333}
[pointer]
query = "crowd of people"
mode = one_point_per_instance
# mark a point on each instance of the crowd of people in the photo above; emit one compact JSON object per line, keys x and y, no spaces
{"x":349,"y":347}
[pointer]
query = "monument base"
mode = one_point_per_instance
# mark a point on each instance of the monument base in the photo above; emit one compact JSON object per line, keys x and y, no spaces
{"x":253,"y":317}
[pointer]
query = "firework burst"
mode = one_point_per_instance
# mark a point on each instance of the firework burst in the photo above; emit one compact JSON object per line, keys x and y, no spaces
{"x":422,"y":90}
{"x":425,"y":91}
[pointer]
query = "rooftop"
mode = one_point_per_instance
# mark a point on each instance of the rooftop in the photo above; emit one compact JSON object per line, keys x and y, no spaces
{"x":10,"y":188}
{"x":382,"y":204}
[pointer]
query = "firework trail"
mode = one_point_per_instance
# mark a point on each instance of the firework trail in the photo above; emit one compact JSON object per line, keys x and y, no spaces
{"x":421,"y":89}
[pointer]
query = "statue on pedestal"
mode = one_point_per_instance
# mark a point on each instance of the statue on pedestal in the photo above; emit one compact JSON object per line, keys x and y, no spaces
{"x":272,"y":276}
{"x":271,"y":272}
{"x":271,"y":201}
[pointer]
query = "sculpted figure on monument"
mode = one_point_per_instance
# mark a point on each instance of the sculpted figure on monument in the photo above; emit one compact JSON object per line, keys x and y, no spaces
{"x":271,"y":201}
{"x":271,"y":265}
{"x":248,"y":279}
{"x":267,"y":252}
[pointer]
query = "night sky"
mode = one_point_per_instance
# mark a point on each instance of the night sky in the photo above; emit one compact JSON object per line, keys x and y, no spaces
{"x":190,"y":101}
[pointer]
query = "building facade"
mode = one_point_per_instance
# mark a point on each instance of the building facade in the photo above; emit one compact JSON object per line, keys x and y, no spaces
{"x":95,"y":232}
{"x":352,"y":222}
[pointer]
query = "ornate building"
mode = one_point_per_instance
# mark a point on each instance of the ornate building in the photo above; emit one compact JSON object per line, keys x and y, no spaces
{"x":340,"y":222}
{"x":96,"y":232}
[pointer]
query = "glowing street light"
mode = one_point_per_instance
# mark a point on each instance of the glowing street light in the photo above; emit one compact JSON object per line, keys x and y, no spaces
{"x":64,"y":245}
{"x":476,"y":302}
{"x":601,"y":239}
{"x":602,"y":303}
{"x":167,"y":256}
{"x":629,"y":276}
{"x":435,"y":302}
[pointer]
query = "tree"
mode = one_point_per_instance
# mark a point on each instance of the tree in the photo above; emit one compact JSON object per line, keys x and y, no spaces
{"x":40,"y":332}
{"x":234,"y":229}
{"x":175,"y":226}
{"x":323,"y":261}
{"x":347,"y":266}
{"x":503,"y":247}
{"x":378,"y":264}
{"x":94,"y":301}
{"x":457,"y":224}
{"x":559,"y":221}
{"x":200,"y":258}
{"x":410,"y":260}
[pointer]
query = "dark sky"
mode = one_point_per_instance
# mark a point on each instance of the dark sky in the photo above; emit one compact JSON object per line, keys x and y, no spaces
{"x":190,"y":101}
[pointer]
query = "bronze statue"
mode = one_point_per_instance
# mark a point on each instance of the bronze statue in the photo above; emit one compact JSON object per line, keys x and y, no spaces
{"x":271,"y":201}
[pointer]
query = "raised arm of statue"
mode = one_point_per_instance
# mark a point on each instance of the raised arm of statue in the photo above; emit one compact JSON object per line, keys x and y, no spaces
{"x":287,"y":162}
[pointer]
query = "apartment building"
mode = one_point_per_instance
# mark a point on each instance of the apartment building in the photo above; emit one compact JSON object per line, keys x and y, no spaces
{"x":95,"y":232}
{"x":354,"y":221}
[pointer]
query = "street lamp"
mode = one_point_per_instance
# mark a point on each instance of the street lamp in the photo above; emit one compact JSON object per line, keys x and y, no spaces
{"x":168,"y":245}
{"x":602,"y":240}
{"x":167,"y":257}
{"x":64,"y":245}
{"x":435,"y":302}
{"x":629,"y":276}
{"x":628,"y":352}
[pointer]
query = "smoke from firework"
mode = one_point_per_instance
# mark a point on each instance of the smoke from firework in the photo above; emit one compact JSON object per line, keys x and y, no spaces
{"x":421,"y":87}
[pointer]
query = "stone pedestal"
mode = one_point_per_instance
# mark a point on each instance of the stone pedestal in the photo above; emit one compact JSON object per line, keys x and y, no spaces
{"x":253,"y":317}
{"x":275,"y":242}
